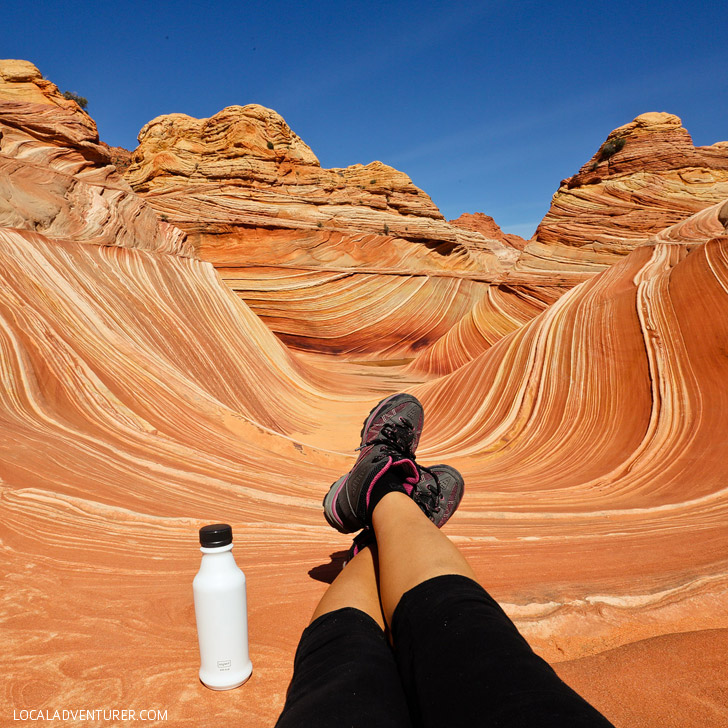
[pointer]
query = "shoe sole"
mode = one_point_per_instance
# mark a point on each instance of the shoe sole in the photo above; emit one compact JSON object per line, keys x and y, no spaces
{"x":330,"y":504}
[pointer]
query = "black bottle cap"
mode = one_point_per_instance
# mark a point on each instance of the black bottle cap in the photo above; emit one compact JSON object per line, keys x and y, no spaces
{"x":216,"y":534}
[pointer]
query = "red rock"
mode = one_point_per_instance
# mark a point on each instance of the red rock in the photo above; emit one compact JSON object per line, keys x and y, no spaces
{"x":120,"y":157}
{"x":500,"y":311}
{"x":58,"y":178}
{"x":645,"y":177}
{"x":484,"y":224}
{"x":255,"y":202}
{"x":141,"y":398}
{"x":646,"y":684}
{"x":244,"y":170}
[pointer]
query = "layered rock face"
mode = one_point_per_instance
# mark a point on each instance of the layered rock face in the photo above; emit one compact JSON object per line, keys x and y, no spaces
{"x":134,"y":384}
{"x":142,"y":398}
{"x":499,"y":311}
{"x":484,"y":224}
{"x":57,"y":179}
{"x":244,"y":169}
{"x":542,"y":451}
{"x":295,"y":240}
{"x":645,"y":177}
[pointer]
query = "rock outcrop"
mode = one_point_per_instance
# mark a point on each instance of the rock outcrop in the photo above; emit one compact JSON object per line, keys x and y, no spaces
{"x":542,"y":443}
{"x":245,"y":169}
{"x":645,"y":177}
{"x":305,"y":247}
{"x":141,"y":398}
{"x":484,"y":224}
{"x":57,"y":179}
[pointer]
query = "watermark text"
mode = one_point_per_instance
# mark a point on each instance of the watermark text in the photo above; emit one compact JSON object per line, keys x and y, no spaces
{"x":82,"y":714}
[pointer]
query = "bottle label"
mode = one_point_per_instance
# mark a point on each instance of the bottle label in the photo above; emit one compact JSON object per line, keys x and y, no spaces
{"x":223,"y":665}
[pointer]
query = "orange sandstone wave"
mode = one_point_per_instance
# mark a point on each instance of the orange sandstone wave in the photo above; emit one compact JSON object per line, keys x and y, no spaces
{"x":141,"y":398}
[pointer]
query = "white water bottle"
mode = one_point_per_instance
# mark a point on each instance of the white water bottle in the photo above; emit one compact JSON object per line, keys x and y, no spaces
{"x":221,"y":611}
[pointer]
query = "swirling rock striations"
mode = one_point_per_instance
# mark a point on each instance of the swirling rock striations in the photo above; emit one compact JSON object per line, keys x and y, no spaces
{"x":141,"y":398}
{"x":699,"y":228}
{"x":56,"y":178}
{"x":499,"y":311}
{"x":596,"y":428}
{"x":645,"y":177}
{"x":294,"y":240}
{"x":356,"y":314}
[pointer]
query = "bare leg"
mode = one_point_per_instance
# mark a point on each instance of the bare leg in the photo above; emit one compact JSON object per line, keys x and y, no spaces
{"x":451,"y":638}
{"x":411,"y":549}
{"x":356,"y":586}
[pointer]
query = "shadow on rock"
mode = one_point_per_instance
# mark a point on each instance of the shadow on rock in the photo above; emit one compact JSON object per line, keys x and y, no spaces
{"x":328,"y":572}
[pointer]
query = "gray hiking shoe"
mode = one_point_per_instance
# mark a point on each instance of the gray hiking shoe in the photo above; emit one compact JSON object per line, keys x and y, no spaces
{"x":397,"y":420}
{"x":389,"y":439}
{"x":439,"y":492}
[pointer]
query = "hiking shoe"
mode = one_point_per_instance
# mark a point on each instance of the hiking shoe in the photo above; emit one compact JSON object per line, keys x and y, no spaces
{"x":348,"y":504}
{"x":389,"y":439}
{"x":439,"y":492}
{"x":362,"y":539}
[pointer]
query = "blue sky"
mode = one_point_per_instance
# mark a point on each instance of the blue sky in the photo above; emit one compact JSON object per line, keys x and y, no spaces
{"x":486,"y":105}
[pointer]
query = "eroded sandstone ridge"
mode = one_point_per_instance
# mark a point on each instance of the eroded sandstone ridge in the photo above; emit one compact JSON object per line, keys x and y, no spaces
{"x":58,"y":179}
{"x":245,"y":170}
{"x":645,"y":177}
{"x":142,"y":398}
{"x":484,"y":224}
{"x":304,"y":246}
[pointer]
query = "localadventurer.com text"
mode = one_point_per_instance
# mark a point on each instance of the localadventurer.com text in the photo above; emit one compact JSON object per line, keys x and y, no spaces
{"x":85,"y":714}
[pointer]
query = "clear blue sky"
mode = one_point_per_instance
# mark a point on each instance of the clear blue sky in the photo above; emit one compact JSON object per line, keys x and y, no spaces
{"x":486,"y":105}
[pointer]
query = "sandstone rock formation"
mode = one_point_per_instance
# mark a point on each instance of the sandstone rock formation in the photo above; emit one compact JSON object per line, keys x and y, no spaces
{"x":479,"y":222}
{"x":55,"y":176}
{"x":500,"y":310}
{"x":141,"y":398}
{"x":645,"y":177}
{"x":305,"y":246}
{"x":244,"y":169}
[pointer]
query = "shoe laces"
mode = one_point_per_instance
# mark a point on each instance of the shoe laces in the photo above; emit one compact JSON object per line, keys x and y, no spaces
{"x":386,"y":451}
{"x":432,"y":496}
{"x":396,"y":436}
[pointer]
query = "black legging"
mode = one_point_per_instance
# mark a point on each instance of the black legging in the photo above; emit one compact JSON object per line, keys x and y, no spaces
{"x":457,"y":661}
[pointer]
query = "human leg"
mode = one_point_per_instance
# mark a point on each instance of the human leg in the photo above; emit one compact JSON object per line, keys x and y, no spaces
{"x":356,"y":587}
{"x":344,"y":671}
{"x":412,"y":549}
{"x":462,"y":661}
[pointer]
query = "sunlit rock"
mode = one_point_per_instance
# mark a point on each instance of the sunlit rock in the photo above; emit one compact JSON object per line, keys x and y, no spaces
{"x":645,"y":177}
{"x":141,"y":398}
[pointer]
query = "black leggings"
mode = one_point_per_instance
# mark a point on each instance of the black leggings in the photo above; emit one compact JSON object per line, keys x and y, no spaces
{"x":457,"y":660}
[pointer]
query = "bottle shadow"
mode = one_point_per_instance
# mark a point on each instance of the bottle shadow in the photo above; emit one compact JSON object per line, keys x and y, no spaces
{"x":328,"y":572}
